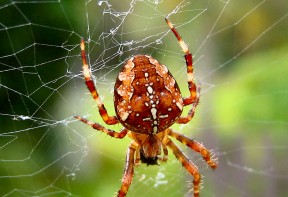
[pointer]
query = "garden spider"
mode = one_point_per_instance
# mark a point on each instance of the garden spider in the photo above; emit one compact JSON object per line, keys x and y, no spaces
{"x":147,"y":102}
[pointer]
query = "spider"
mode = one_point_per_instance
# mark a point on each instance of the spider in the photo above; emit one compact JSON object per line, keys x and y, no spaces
{"x":147,"y":102}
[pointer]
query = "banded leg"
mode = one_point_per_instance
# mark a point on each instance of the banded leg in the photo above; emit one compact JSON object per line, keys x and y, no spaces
{"x":191,"y":112}
{"x":189,"y":62}
{"x":196,"y":146}
{"x":99,"y":127}
{"x":90,"y":85}
{"x":128,"y":171}
{"x":187,"y":164}
{"x":165,"y":152}
{"x":137,"y":157}
{"x":193,"y":98}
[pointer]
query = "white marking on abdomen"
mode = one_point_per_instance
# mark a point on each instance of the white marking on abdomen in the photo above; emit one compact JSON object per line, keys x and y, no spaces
{"x":164,"y":116}
{"x":153,"y":112}
{"x":155,"y":129}
{"x":150,"y":89}
{"x":179,"y":105}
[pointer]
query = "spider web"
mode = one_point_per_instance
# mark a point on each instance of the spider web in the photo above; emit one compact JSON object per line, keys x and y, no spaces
{"x":240,"y":56}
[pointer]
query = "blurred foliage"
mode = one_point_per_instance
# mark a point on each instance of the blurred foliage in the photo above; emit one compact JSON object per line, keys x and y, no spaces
{"x":250,"y":98}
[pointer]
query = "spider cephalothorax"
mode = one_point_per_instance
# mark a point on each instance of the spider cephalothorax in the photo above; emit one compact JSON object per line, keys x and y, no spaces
{"x":147,"y":102}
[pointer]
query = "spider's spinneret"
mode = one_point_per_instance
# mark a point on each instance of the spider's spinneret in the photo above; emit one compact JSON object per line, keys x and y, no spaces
{"x":147,"y":98}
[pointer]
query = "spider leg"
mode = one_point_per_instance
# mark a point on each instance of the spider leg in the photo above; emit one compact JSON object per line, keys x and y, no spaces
{"x":191,"y":112}
{"x":196,"y":146}
{"x":193,"y":98}
{"x":90,"y":85}
{"x":189,"y":62}
{"x":129,"y":170}
{"x":187,"y":164}
{"x":137,"y":158}
{"x":165,"y":156}
{"x":101,"y":128}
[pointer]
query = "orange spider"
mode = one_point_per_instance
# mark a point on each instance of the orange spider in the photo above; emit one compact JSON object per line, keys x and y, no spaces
{"x":147,"y":102}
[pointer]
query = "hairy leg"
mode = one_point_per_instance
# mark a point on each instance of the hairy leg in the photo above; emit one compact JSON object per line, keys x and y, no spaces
{"x":187,"y":164}
{"x":129,"y":170}
{"x":101,"y":128}
{"x":196,"y":146}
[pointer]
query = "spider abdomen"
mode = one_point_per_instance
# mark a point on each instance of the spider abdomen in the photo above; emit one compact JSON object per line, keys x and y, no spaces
{"x":147,"y":98}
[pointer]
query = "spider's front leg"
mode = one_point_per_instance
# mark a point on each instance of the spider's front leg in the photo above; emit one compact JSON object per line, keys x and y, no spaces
{"x":193,"y":98}
{"x":129,"y":170}
{"x":189,"y":62}
{"x":90,"y":85}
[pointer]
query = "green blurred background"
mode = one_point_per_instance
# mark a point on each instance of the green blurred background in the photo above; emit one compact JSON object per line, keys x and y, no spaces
{"x":240,"y":51}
